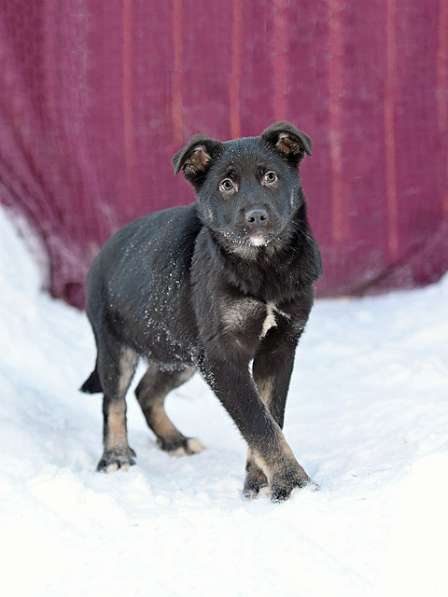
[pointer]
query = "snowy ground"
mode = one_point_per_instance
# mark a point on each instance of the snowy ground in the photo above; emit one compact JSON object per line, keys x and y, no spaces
{"x":367,"y":416}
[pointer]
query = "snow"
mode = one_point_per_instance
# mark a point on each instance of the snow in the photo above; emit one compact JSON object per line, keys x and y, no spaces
{"x":367,"y":415}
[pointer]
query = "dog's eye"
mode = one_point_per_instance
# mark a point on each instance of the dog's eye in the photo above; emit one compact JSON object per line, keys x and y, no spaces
{"x":227,"y":186}
{"x":269,"y":178}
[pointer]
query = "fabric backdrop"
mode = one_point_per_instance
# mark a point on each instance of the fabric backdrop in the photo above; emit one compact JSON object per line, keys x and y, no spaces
{"x":96,"y":95}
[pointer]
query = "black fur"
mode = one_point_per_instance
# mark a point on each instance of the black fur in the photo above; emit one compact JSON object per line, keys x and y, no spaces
{"x":92,"y":385}
{"x":195,"y":287}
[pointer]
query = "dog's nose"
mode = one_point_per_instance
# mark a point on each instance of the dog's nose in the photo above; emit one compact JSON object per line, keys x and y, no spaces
{"x":256,"y":218}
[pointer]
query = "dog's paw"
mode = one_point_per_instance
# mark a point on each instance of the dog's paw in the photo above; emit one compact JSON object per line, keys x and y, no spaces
{"x":283,"y":483}
{"x":116,"y":458}
{"x":255,"y":481}
{"x":185,"y":446}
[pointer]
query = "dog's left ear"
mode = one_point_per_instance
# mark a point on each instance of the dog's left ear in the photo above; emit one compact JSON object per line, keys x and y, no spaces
{"x":288,"y":141}
{"x":196,"y":157}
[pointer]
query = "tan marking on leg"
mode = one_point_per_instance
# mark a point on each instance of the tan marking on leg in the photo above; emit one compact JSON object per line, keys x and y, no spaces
{"x":159,"y":421}
{"x":262,"y":465}
{"x":128,"y":362}
{"x":252,"y":459}
{"x":265,"y":390}
{"x":117,"y":453}
{"x":272,"y":463}
{"x":116,"y":435}
{"x":277,"y":461}
{"x":116,"y":425}
{"x":151,"y":393}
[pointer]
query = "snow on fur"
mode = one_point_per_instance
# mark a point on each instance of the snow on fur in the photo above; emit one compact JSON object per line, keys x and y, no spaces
{"x":367,"y":416}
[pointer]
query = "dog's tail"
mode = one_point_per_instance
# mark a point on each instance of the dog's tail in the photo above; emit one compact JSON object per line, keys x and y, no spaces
{"x":92,"y":385}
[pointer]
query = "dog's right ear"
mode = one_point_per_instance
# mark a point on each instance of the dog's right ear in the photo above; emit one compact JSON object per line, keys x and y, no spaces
{"x":196,"y":157}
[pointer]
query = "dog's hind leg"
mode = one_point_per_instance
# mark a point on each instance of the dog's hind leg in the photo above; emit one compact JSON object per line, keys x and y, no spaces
{"x":151,"y":393}
{"x":116,"y":367}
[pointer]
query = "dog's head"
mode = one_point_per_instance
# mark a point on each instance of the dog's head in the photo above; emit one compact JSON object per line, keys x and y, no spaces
{"x":248,"y":189}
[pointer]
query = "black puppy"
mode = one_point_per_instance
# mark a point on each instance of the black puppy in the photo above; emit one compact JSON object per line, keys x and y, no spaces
{"x":223,"y":286}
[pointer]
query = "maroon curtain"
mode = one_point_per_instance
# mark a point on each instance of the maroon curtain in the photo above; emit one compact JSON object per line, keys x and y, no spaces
{"x":97,"y":95}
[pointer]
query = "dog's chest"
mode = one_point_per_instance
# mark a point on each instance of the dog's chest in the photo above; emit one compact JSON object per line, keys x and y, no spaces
{"x":251,"y":315}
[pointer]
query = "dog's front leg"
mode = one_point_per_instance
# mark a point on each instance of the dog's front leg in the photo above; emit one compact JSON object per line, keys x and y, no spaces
{"x":235,"y":388}
{"x":272,"y":368}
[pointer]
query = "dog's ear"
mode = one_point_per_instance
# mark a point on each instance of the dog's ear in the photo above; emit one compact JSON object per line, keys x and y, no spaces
{"x":288,"y":141}
{"x":196,"y":157}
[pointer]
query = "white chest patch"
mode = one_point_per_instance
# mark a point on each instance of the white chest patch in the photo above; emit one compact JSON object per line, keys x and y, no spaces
{"x":269,"y":321}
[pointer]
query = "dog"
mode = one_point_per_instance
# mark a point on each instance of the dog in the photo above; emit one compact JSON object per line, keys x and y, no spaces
{"x":223,"y":286}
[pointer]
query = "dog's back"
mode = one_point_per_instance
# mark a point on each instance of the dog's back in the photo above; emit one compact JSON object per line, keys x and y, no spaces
{"x":139,"y":283}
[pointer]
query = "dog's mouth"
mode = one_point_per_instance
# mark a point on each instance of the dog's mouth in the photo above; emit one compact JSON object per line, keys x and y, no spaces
{"x":253,"y":240}
{"x":259,"y":240}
